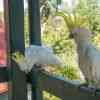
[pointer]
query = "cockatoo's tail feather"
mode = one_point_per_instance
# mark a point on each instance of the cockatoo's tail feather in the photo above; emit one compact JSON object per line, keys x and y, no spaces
{"x":41,"y":55}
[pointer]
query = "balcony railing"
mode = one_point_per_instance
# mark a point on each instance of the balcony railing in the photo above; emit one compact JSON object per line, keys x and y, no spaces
{"x":40,"y":80}
{"x":58,"y":86}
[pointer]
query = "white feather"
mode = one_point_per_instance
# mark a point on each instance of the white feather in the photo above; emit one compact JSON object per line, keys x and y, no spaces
{"x":38,"y":55}
{"x":89,"y":56}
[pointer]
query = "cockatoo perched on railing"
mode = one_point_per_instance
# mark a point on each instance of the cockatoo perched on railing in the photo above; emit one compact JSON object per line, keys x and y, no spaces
{"x":89,"y":56}
{"x":36,"y":55}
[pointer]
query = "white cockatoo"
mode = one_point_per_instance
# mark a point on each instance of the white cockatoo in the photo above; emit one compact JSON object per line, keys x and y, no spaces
{"x":88,"y":56}
{"x":40,"y":55}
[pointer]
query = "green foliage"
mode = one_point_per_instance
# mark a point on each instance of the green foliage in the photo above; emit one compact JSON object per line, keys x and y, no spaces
{"x":26,"y":30}
{"x":64,"y":47}
{"x":48,"y":96}
{"x":56,"y":32}
{"x":70,"y":71}
{"x":90,"y":8}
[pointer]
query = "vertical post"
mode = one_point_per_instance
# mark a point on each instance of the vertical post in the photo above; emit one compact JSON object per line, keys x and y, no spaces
{"x":14,"y":14}
{"x":35,"y":38}
{"x":34,"y":22}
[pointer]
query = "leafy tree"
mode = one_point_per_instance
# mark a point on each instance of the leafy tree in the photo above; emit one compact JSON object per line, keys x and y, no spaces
{"x":56,"y":33}
{"x":90,"y":9}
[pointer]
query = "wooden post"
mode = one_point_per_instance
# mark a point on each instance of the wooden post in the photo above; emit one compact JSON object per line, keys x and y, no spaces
{"x":35,"y":38}
{"x":14,"y":14}
{"x":34,"y":22}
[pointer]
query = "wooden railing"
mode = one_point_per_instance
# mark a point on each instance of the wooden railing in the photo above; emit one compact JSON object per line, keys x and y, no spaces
{"x":40,"y":81}
{"x":58,"y":86}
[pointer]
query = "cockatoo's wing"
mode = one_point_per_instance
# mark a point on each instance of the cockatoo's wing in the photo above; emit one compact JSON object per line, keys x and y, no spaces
{"x":47,"y":48}
{"x":41,"y":55}
{"x":37,"y":55}
{"x":94,"y":57}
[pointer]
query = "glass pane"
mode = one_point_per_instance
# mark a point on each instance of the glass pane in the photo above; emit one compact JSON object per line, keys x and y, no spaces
{"x":3,"y":42}
{"x":3,"y":52}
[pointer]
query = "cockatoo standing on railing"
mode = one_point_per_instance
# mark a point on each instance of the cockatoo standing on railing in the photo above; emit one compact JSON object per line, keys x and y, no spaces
{"x":89,"y":56}
{"x":39,"y":55}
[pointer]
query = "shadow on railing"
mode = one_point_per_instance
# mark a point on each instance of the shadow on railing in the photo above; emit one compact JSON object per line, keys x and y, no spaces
{"x":57,"y":86}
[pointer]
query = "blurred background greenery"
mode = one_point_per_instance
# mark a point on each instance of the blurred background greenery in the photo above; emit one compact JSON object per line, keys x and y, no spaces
{"x":55,"y":34}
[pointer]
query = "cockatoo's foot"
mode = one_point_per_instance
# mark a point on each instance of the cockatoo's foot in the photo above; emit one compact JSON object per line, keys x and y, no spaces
{"x":83,"y":85}
{"x":91,"y":86}
{"x":97,"y":92}
{"x":39,"y":67}
{"x":88,"y":88}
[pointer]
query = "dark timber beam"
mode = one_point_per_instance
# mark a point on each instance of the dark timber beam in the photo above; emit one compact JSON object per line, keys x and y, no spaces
{"x":34,"y":22}
{"x":14,"y":15}
{"x":65,"y":89}
{"x":35,"y":38}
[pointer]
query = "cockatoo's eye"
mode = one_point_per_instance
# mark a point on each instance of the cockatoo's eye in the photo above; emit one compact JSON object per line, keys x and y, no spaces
{"x":93,"y":33}
{"x":71,"y":36}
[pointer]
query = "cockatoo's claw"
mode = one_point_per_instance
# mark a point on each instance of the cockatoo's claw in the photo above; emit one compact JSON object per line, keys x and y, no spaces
{"x":83,"y":85}
{"x":92,"y":89}
{"x":97,"y":91}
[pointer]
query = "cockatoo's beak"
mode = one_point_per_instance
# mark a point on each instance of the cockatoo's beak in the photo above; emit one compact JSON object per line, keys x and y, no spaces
{"x":71,"y":35}
{"x":93,"y":33}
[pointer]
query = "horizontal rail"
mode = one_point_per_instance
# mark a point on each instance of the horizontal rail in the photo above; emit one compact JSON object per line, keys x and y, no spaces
{"x":64,"y":89}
